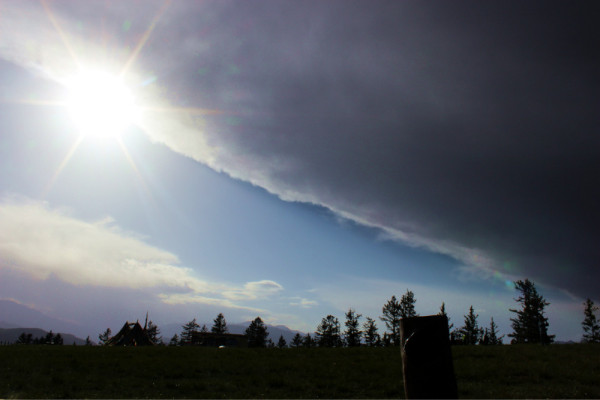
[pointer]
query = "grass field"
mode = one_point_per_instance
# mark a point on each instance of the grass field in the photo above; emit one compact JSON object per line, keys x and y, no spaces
{"x":558,"y":371}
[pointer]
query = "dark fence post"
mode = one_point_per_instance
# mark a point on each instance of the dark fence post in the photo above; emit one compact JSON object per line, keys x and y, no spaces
{"x":427,"y":358}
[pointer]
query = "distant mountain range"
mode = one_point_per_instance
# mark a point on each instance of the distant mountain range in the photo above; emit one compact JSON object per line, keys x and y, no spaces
{"x":15,"y":315}
{"x":16,"y":318}
{"x":11,"y":335}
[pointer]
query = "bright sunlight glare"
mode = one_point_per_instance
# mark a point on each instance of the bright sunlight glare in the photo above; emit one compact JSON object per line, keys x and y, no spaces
{"x":101,"y":105}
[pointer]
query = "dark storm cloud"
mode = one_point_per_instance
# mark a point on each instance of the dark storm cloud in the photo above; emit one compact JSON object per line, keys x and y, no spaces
{"x":467,"y":127}
{"x":463,"y":123}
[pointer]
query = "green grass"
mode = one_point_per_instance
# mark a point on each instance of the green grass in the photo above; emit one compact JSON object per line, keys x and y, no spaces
{"x":562,"y":371}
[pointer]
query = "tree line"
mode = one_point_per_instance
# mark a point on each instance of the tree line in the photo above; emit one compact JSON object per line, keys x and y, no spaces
{"x":529,"y":324}
{"x":49,"y":339}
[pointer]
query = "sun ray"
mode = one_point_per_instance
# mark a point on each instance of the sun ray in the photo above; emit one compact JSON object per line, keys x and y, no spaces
{"x":62,"y":35}
{"x":62,"y":166}
{"x":145,"y":38}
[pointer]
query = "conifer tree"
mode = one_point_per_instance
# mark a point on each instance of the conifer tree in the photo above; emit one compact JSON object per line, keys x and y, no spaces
{"x":591,"y":328}
{"x":470,"y":331}
{"x":490,"y":335}
{"x":352,"y":333}
{"x":391,"y":316}
{"x":174,"y":340}
{"x":220,"y":325}
{"x":308,"y":341}
{"x":188,"y":332}
{"x":297,"y":340}
{"x":444,"y":314}
{"x":104,"y":337}
{"x":257,"y":333}
{"x":58,"y":340}
{"x":153,"y":333}
{"x":88,"y":342}
{"x":530,"y":325}
{"x":370,"y":333}
{"x":407,"y":305}
{"x":281,"y":343}
{"x":328,"y":332}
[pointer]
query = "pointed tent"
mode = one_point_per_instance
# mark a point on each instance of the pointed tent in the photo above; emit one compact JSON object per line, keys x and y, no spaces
{"x":132,"y":334}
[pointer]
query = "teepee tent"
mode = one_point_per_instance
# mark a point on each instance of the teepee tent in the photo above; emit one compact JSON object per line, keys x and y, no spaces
{"x":132,"y":334}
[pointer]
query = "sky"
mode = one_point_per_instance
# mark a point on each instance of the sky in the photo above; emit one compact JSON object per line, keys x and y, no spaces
{"x":291,"y":160}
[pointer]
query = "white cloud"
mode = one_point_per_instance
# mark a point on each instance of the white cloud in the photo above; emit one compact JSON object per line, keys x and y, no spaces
{"x":42,"y":243}
{"x":303,"y":303}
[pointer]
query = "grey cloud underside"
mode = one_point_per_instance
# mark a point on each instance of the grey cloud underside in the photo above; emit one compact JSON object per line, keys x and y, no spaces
{"x":469,"y":122}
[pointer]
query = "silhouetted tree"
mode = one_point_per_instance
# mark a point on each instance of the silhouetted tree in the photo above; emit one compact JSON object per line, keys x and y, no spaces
{"x":220,"y":325}
{"x":188,"y":331}
{"x":490,"y":336}
{"x":443,"y":313}
{"x":174,"y":340}
{"x":153,"y":333}
{"x":88,"y":342}
{"x":204,"y":329}
{"x":257,"y":333}
{"x":591,"y":328}
{"x":391,"y":317}
{"x":352,"y":333}
{"x":370,"y":333}
{"x":25,"y":338}
{"x":308,"y":341}
{"x":328,"y":332}
{"x":48,"y":339}
{"x":407,"y":305}
{"x":297,"y":340}
{"x":270,"y":344}
{"x":58,"y":340}
{"x":104,"y":337}
{"x":281,"y":343}
{"x":471,"y":333}
{"x":530,"y":324}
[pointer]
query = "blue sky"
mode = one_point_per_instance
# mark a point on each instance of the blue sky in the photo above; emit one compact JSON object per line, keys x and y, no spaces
{"x":284,"y":167}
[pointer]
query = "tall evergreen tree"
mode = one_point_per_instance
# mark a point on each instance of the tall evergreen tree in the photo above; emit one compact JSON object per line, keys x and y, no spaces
{"x":370,"y":333}
{"x":153,"y":333}
{"x":281,"y":343}
{"x":352,"y":333}
{"x":297,"y":340}
{"x":530,"y":325}
{"x":104,"y":337}
{"x":25,"y":338}
{"x":257,"y":333}
{"x":88,"y":342}
{"x":188,"y":331}
{"x":444,"y":314}
{"x":328,"y":332}
{"x":220,"y":325}
{"x":308,"y":341}
{"x":490,"y":335}
{"x":591,"y":328}
{"x":407,"y":305}
{"x":391,"y":316}
{"x":174,"y":340}
{"x":470,"y":331}
{"x":58,"y":339}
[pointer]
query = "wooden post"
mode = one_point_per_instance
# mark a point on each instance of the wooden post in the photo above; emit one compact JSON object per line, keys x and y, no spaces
{"x":427,"y":358}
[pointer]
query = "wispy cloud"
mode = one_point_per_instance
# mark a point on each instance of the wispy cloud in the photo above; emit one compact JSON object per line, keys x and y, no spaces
{"x":41,"y":242}
{"x":302,"y":302}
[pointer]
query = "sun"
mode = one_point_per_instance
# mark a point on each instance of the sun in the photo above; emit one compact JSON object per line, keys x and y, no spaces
{"x":101,"y":105}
